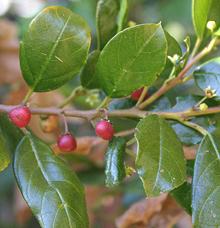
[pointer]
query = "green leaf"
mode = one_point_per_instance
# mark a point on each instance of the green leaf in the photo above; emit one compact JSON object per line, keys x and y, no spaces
{"x":4,"y":154}
{"x":106,"y":19}
{"x":9,"y":139}
{"x":123,"y":14}
{"x":183,"y":196}
{"x":124,"y":103}
{"x":202,"y":12}
{"x":114,"y":167}
{"x":162,"y":104}
{"x":189,"y":136}
{"x":206,"y":182}
{"x":54,"y":49}
{"x":132,"y":59}
{"x":160,"y":161}
{"x":50,"y":188}
{"x":208,"y":75}
{"x":87,"y":74}
{"x":173,"y":48}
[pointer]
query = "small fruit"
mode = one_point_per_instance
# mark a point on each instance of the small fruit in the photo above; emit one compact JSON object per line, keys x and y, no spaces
{"x":203,"y":107}
{"x":67,"y":142}
{"x":20,"y":116}
{"x":104,"y":130}
{"x":137,"y":93}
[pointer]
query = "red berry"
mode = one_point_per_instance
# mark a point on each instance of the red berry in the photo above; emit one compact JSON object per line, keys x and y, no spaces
{"x":67,"y":142}
{"x":104,"y":129}
{"x":137,"y":93}
{"x":20,"y":116}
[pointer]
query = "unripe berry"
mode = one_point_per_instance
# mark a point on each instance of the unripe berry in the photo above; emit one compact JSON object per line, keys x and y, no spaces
{"x":203,"y":107}
{"x":67,"y":142}
{"x":104,"y":130}
{"x":20,"y":116}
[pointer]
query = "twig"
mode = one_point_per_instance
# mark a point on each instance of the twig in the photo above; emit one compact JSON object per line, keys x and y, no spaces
{"x":180,"y":78}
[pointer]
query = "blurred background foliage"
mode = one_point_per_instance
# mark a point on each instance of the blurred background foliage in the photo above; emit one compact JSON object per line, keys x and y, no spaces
{"x":104,"y":205}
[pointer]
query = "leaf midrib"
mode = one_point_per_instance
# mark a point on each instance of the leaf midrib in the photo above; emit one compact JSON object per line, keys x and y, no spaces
{"x":53,"y":49}
{"x":49,"y":182}
{"x":121,"y":76}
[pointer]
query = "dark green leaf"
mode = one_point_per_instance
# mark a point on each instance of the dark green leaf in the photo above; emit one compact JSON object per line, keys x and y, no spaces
{"x":54,"y":49}
{"x":183,"y":196}
{"x":123,"y":14}
{"x":202,"y":12}
{"x":132,"y":59}
{"x":124,"y":103}
{"x":87,"y":74}
{"x":206,"y":182}
{"x":173,"y":49}
{"x":106,"y":17}
{"x":9,"y":139}
{"x":50,"y":188}
{"x":115,"y":168}
{"x":208,"y":74}
{"x":185,"y":102}
{"x":189,"y":136}
{"x":190,"y":167}
{"x":173,"y":45}
{"x":162,"y":104}
{"x":160,"y":161}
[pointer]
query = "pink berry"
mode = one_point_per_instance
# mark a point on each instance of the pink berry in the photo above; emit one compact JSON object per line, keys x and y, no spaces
{"x":104,"y":129}
{"x":20,"y":116}
{"x":67,"y":142}
{"x":137,"y":93}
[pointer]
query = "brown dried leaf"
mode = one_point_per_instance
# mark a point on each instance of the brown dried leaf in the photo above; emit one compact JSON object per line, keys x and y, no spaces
{"x":141,"y":212}
{"x":160,"y":212}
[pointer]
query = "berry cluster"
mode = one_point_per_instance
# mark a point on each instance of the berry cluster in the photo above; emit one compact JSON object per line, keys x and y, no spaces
{"x":21,"y":117}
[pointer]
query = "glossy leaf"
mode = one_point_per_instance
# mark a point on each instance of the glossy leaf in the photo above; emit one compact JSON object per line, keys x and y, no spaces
{"x":132,"y":59}
{"x":173,"y":45}
{"x":206,"y":182}
{"x":189,"y":136}
{"x":118,"y":104}
{"x":50,"y":188}
{"x":9,"y":139}
{"x":115,"y":168}
{"x":208,"y":75}
{"x":123,"y":14}
{"x":162,"y":104}
{"x":54,"y":49}
{"x":183,"y":196}
{"x":202,"y":12}
{"x":106,"y":19}
{"x":160,"y":161}
{"x":87,"y":74}
{"x":173,"y":49}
